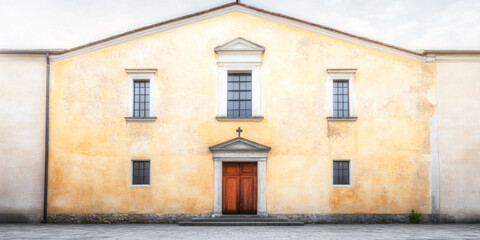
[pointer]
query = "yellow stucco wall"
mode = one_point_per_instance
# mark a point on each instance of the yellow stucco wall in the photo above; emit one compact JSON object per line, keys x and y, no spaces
{"x":92,"y":144}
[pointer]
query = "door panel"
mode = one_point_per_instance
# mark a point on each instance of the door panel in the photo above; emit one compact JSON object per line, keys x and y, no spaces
{"x":230,"y":168}
{"x":248,"y":194}
{"x":230,"y":196}
{"x":239,"y":188}
{"x":248,"y":168}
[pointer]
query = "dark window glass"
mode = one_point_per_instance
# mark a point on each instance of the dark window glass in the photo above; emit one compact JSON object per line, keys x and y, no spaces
{"x":341,"y":172}
{"x":141,"y":98}
{"x":340,"y":99}
{"x":239,"y":95}
{"x":141,"y":173}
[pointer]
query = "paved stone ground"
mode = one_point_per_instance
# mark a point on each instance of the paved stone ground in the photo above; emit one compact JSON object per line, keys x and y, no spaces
{"x":172,"y":231}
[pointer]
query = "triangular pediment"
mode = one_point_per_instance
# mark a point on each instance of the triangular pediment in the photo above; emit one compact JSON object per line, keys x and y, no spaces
{"x":60,"y":54}
{"x":239,"y":144}
{"x":240,"y":44}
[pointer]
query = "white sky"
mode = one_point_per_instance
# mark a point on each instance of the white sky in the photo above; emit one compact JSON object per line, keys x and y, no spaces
{"x":412,"y":24}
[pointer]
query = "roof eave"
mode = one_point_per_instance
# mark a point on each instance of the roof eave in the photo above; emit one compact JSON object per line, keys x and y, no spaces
{"x":180,"y":21}
{"x":449,"y":51}
{"x":31,"y":52}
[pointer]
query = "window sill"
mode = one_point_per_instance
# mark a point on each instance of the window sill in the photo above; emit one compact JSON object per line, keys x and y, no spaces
{"x":239,"y":119}
{"x":140,"y":119}
{"x":342,"y":185}
{"x":341,"y":119}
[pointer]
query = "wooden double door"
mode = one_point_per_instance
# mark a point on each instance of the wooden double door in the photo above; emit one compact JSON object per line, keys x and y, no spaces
{"x":239,"y":188}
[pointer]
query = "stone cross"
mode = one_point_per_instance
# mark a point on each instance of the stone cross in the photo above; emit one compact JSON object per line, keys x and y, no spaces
{"x":239,"y":130}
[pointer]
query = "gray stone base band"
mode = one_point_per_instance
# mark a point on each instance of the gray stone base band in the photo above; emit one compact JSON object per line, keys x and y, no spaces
{"x":20,"y":217}
{"x":306,"y":218}
{"x":123,"y":218}
{"x":352,"y":218}
{"x":377,"y":218}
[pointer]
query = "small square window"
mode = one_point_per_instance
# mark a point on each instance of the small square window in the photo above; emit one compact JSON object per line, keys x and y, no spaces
{"x":141,"y":172}
{"x":341,"y":172}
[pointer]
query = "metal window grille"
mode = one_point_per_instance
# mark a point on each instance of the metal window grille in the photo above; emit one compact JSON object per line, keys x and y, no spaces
{"x":341,"y":172}
{"x":141,"y":173}
{"x":239,"y":95}
{"x":141,"y":98}
{"x":341,"y":96}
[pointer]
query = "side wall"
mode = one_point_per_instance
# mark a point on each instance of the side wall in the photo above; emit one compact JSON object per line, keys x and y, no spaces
{"x":22,"y":132}
{"x":459,"y":139}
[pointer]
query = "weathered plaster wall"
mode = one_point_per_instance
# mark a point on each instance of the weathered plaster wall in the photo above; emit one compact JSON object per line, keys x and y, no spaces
{"x":92,"y":144}
{"x":459,"y":138}
{"x":22,"y":133}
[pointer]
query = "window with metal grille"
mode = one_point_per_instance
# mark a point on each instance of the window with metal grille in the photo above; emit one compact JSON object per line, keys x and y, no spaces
{"x":239,"y":95}
{"x":141,"y":98}
{"x":141,"y":173}
{"x":341,"y":172}
{"x":341,"y":96}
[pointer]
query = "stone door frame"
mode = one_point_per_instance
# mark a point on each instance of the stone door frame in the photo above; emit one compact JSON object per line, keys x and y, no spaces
{"x":240,"y":150}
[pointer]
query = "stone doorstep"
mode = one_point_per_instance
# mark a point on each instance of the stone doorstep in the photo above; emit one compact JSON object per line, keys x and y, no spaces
{"x":232,"y":219}
{"x":241,"y":220}
{"x":240,"y":224}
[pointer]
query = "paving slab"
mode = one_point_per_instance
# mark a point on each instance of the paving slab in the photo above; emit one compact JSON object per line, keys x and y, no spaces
{"x":173,"y":231}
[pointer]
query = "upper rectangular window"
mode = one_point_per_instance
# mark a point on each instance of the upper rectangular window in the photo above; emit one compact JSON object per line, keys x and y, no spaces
{"x":140,"y":172}
{"x":239,"y":67}
{"x":340,"y":94}
{"x":141,"y":98}
{"x":141,"y":89}
{"x":341,"y":172}
{"x":239,"y":95}
{"x":341,"y":100}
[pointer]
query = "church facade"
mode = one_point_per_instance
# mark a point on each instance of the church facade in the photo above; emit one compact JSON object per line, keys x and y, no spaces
{"x":237,"y":110}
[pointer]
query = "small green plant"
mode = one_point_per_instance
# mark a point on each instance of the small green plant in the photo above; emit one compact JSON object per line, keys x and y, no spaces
{"x":84,"y":221}
{"x":415,"y":217}
{"x":320,"y":222}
